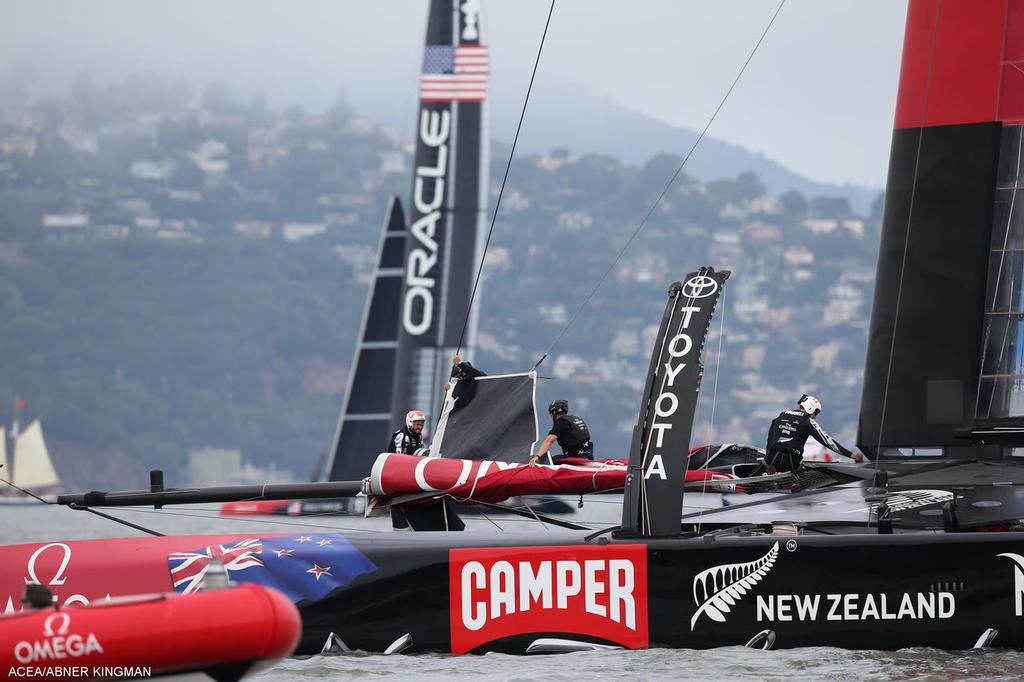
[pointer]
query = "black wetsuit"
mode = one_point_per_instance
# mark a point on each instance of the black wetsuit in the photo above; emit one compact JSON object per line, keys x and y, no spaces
{"x":787,"y":435}
{"x":405,"y":442}
{"x":573,"y":437}
{"x":465,"y":388}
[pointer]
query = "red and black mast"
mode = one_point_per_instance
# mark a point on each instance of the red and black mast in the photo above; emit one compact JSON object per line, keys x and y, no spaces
{"x":946,"y":318}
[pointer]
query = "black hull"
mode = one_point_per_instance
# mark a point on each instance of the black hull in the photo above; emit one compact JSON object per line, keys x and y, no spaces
{"x":860,"y":591}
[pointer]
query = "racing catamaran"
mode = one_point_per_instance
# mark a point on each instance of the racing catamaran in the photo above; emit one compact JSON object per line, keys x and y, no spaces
{"x":919,"y":548}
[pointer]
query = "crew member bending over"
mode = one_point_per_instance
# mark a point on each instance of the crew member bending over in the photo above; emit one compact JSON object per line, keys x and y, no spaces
{"x":791,"y":429}
{"x":570,"y":431}
{"x":408,"y":439}
{"x":465,"y":386}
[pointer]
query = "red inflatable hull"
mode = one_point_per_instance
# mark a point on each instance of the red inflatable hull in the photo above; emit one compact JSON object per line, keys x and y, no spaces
{"x":237,"y":630}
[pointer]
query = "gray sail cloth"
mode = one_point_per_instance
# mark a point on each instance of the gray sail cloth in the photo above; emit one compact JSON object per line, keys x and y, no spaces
{"x":500,"y":423}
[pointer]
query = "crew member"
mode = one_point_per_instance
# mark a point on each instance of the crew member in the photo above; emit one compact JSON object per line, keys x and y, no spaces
{"x":791,"y":429}
{"x":465,"y":386}
{"x":570,"y":431}
{"x":408,"y":439}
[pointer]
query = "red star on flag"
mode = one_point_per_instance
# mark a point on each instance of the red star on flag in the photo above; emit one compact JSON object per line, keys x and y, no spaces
{"x":323,"y":542}
{"x":304,"y":538}
{"x":318,"y":571}
{"x":284,"y":552}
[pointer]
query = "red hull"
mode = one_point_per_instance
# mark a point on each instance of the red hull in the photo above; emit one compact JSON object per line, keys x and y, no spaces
{"x":84,"y":571}
{"x":255,"y":508}
{"x":246,"y":628}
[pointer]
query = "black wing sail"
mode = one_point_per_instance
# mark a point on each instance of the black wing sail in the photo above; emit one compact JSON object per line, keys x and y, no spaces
{"x":366,"y":420}
{"x":953,"y":173}
{"x":447,"y":214}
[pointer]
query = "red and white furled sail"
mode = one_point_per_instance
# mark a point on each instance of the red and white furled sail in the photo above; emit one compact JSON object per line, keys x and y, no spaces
{"x":469,"y":481}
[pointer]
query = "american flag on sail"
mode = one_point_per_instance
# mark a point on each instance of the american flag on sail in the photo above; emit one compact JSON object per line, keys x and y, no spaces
{"x":454,"y":73}
{"x":304,"y":567}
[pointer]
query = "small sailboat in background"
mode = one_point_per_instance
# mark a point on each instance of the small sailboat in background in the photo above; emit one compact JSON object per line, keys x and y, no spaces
{"x":29,"y":466}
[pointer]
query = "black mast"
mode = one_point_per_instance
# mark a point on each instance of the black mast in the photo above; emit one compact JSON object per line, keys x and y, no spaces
{"x":446,"y":223}
{"x":418,"y":304}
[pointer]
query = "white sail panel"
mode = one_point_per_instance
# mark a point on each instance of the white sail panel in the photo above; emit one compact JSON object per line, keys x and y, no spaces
{"x":5,"y":471}
{"x":32,"y":465}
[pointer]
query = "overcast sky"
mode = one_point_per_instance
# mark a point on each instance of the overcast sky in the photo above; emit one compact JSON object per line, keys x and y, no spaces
{"x":818,"y":97}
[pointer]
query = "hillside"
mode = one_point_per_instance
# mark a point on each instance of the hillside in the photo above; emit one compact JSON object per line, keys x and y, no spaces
{"x":178,"y":275}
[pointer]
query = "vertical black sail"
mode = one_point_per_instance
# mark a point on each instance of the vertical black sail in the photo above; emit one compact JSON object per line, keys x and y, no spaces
{"x":653,"y":500}
{"x":946,"y":319}
{"x":417,"y":313}
{"x":447,"y":215}
{"x":366,"y":422}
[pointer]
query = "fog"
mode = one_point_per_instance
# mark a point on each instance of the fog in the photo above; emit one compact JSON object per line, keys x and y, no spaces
{"x":818,"y":96}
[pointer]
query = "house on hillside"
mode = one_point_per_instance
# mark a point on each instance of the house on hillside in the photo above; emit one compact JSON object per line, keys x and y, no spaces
{"x":65,"y":225}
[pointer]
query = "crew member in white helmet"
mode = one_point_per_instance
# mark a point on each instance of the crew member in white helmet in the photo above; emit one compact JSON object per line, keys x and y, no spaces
{"x":791,"y":429}
{"x":408,"y":439}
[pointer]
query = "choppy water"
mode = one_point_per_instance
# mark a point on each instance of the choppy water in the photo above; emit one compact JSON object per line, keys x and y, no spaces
{"x":39,"y":523}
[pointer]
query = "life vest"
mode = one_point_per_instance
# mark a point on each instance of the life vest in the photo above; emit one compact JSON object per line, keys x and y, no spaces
{"x":577,"y":442}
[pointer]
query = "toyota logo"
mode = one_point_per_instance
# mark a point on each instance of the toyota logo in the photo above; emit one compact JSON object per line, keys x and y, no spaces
{"x":700,"y":286}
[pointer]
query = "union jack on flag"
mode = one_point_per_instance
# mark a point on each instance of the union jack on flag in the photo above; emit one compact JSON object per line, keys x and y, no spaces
{"x":304,"y":567}
{"x":189,"y":568}
{"x":454,"y":73}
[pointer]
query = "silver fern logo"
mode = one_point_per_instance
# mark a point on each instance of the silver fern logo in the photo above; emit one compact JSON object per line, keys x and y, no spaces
{"x":910,"y":499}
{"x":717,"y":589}
{"x":1018,"y":580}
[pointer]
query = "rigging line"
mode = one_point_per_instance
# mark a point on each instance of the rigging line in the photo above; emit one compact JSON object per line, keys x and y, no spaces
{"x":484,"y":514}
{"x":530,"y":509}
{"x":26,"y":492}
{"x":236,"y":519}
{"x":714,"y":398}
{"x":215,"y":514}
{"x":906,"y":239}
{"x":668,"y":186}
{"x":508,"y":167}
{"x":111,"y":517}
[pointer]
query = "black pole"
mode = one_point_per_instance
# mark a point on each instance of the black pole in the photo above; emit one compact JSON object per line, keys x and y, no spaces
{"x":234,"y":493}
{"x":156,"y":483}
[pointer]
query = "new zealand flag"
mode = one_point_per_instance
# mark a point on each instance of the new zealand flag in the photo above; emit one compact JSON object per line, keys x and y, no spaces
{"x":304,"y":567}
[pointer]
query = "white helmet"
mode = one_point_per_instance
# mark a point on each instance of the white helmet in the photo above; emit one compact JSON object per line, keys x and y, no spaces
{"x":413,"y":416}
{"x":810,"y":405}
